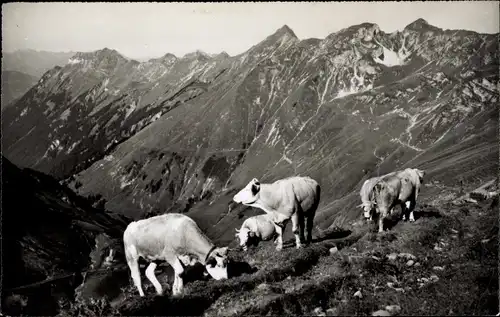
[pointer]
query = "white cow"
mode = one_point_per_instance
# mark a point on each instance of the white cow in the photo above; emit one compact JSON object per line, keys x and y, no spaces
{"x":260,"y":227}
{"x":366,"y":194}
{"x":292,"y":198}
{"x":176,"y":239}
{"x":400,"y":188}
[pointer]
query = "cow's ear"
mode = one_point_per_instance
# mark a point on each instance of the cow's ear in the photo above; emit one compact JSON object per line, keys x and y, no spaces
{"x":211,"y":262}
{"x":255,"y":188}
{"x":256,"y":181}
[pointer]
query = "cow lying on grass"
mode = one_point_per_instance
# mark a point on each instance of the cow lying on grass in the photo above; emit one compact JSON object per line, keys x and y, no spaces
{"x":401,"y":187}
{"x":292,"y":198}
{"x":255,"y":228}
{"x":176,"y":239}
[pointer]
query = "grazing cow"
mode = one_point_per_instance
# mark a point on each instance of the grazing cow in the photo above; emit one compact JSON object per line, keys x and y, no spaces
{"x":256,"y":228}
{"x":292,"y":198}
{"x":367,"y":198}
{"x":176,"y":239}
{"x":400,"y":188}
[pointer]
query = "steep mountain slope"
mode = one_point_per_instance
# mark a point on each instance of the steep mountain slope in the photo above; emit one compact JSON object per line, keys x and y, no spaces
{"x":48,"y":236}
{"x":97,"y":100}
{"x":14,"y":85}
{"x":34,"y":63}
{"x":182,"y":134}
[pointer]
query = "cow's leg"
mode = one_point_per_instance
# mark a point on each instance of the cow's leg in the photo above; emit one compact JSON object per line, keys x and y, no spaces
{"x":132,"y":258}
{"x":382,"y":215}
{"x":296,"y":230}
{"x":380,"y":223}
{"x":150,"y":274}
{"x":178,"y":285}
{"x":309,"y":225}
{"x":302,"y":228}
{"x":403,"y":210}
{"x":279,"y":238}
{"x":413,"y":203}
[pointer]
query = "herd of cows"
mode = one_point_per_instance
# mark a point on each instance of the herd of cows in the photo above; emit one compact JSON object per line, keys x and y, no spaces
{"x":177,"y":239}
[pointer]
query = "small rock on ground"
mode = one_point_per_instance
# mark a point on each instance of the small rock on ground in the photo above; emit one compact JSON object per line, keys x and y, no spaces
{"x":264,"y":286}
{"x":334,"y":250}
{"x":408,"y":256}
{"x":410,"y":263}
{"x":381,"y":313}
{"x":358,"y":294}
{"x":392,"y":256}
{"x":318,"y":311}
{"x":393,"y":309}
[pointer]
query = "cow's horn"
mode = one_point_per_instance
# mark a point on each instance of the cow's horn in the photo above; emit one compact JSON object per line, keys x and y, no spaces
{"x":237,"y":230}
{"x":359,"y":206}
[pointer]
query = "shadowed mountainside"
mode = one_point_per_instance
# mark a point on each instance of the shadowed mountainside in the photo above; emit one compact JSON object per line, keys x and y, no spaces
{"x":48,"y":235}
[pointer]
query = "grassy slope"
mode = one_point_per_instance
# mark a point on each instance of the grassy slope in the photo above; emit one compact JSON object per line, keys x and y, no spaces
{"x":463,"y":239}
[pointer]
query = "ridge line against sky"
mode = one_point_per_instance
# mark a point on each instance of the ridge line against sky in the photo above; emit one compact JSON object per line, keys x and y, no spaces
{"x":149,"y":30}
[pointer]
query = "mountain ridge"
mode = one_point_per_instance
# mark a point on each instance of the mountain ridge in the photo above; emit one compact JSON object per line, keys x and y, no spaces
{"x":180,"y":135}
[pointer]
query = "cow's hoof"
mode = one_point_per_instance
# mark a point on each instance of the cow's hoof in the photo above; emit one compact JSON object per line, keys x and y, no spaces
{"x":279,"y":248}
{"x":412,"y":220}
{"x":298,"y":246}
{"x":176,"y":294}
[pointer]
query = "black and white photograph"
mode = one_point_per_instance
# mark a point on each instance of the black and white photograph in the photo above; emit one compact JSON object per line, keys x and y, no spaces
{"x":250,"y":158}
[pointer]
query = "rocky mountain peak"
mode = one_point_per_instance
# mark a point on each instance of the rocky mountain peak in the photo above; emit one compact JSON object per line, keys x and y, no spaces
{"x":222,"y":55}
{"x":285,"y":30}
{"x":198,"y":54}
{"x":419,"y":25}
{"x":167,"y":59}
{"x":105,"y":54}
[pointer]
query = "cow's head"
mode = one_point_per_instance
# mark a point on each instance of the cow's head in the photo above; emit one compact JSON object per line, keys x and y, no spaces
{"x":368,"y":209}
{"x":249,"y":194}
{"x":187,"y":259}
{"x":216,"y":264}
{"x":244,"y":235}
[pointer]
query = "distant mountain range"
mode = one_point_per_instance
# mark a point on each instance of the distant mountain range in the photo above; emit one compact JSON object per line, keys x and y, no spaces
{"x":33,"y":63}
{"x":14,"y":85}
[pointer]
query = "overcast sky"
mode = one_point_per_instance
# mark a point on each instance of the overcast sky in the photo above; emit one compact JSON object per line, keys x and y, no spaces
{"x":140,"y":30}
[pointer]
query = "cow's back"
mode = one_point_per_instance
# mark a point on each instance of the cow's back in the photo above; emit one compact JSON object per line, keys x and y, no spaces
{"x":265,"y":226}
{"x":305,"y":190}
{"x":391,"y":185}
{"x":153,"y":235}
{"x":410,"y":183}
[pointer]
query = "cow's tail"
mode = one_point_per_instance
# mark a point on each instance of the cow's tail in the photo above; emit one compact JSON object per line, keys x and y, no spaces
{"x":317,"y":198}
